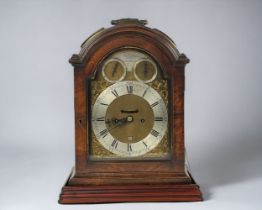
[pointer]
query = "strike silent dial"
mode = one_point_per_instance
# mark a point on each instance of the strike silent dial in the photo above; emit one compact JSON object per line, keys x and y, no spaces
{"x":114,"y":70}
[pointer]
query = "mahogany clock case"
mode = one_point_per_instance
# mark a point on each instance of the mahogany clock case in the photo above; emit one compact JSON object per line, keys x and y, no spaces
{"x":129,"y":181}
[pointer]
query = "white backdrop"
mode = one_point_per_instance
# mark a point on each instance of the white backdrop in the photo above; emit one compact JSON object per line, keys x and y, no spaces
{"x":223,"y":95}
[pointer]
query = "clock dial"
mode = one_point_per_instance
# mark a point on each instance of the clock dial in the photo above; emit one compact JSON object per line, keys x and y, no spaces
{"x":114,"y":70}
{"x":145,"y":70}
{"x":129,"y":118}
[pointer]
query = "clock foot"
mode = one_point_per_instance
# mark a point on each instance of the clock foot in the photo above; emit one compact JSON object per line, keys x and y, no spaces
{"x":130,"y":193}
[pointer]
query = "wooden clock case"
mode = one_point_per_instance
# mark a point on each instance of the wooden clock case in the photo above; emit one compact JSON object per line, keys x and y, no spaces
{"x":129,"y":181}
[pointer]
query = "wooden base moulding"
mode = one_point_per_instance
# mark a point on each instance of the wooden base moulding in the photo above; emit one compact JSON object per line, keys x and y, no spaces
{"x":130,"y":193}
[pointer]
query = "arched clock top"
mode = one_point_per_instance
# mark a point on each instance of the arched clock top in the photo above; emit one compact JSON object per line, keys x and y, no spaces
{"x":134,"y":32}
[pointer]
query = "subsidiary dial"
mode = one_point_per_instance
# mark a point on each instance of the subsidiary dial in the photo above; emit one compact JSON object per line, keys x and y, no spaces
{"x":114,"y":70}
{"x":145,"y":70}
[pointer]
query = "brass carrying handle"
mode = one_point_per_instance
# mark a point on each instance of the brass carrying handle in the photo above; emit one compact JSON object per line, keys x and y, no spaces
{"x":128,"y":21}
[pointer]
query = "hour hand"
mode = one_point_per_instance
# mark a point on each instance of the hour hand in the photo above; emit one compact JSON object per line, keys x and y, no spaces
{"x":115,"y":121}
{"x":121,"y":121}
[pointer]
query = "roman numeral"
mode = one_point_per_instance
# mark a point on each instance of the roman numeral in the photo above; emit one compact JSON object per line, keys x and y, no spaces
{"x":100,"y":119}
{"x":144,"y":93}
{"x":158,"y":118}
{"x":129,"y":89}
{"x":154,"y":104}
{"x":103,"y":133}
{"x":144,"y":143}
{"x":129,"y":148}
{"x":154,"y":133}
{"x":114,"y":143}
{"x":104,"y":104}
{"x":114,"y":93}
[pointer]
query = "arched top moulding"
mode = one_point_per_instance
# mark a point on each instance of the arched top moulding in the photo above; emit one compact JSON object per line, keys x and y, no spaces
{"x":138,"y":35}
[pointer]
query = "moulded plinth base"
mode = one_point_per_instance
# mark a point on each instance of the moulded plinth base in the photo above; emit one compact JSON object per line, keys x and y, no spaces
{"x":130,"y":193}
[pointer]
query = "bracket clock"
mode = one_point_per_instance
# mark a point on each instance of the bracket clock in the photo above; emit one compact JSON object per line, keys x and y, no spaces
{"x":129,"y":119}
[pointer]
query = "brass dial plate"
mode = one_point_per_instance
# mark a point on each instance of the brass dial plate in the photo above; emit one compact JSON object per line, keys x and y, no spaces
{"x":130,"y":57}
